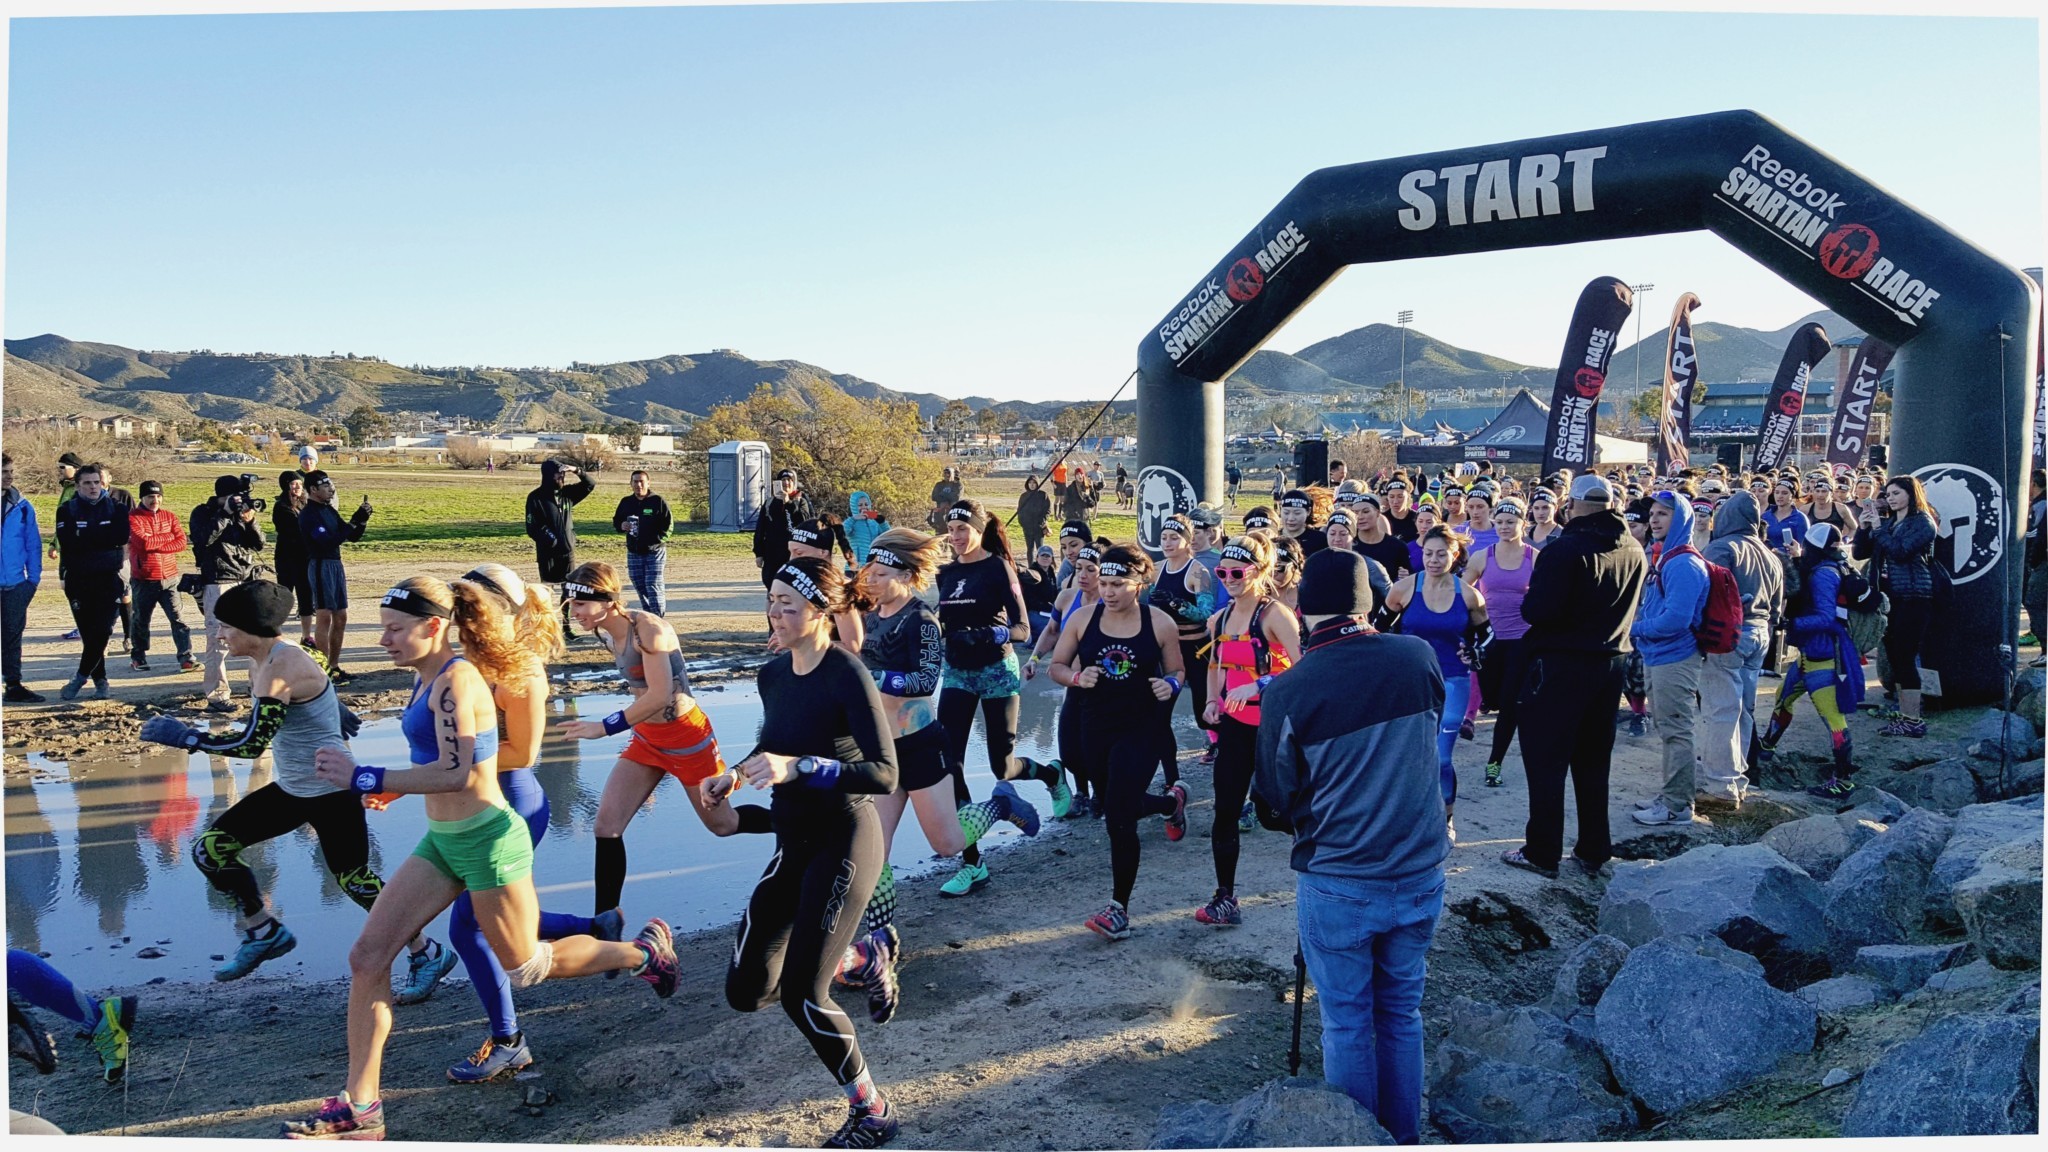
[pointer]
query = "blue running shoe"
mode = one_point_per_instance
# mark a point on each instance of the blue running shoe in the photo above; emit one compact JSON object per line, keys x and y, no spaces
{"x":971,"y":878}
{"x":337,"y":1119}
{"x":255,"y":950}
{"x":1062,"y":795}
{"x":864,"y":1130}
{"x":1020,"y":812}
{"x":493,"y":1061}
{"x":424,"y":969}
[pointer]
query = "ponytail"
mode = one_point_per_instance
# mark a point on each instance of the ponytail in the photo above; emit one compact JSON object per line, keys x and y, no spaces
{"x":485,"y":629}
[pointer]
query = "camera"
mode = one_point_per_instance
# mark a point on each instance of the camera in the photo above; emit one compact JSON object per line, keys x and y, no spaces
{"x":246,"y":498}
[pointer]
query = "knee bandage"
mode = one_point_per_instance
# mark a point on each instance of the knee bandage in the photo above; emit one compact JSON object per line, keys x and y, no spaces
{"x":536,"y":968}
{"x":216,"y":851}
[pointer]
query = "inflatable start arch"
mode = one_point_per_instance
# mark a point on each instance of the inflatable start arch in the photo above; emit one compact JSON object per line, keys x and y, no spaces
{"x":1965,"y":325}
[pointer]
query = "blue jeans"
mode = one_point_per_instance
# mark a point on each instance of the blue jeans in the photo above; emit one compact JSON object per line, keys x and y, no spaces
{"x":1365,"y":942}
{"x":649,"y":574}
{"x":14,"y":600}
{"x":1457,"y":694}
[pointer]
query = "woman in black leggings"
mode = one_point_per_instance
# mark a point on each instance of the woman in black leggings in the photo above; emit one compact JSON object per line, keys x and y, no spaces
{"x":982,"y":614}
{"x":1120,"y":662}
{"x":825,"y":748}
{"x":1903,"y":541}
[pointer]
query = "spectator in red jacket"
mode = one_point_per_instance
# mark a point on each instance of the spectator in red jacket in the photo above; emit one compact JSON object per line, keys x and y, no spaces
{"x":155,"y":537}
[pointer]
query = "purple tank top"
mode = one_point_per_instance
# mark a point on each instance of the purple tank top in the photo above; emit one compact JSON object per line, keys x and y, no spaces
{"x":1504,"y":590}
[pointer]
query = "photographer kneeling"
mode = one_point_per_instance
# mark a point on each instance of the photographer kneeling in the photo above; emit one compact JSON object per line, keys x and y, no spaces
{"x":1347,"y":761}
{"x":228,"y":544}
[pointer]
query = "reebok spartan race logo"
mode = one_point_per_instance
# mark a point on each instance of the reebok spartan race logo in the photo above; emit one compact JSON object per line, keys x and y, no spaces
{"x":1201,"y":314}
{"x":1807,"y":216}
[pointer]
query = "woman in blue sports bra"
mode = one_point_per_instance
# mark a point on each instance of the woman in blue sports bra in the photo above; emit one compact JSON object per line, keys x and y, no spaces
{"x":1451,"y":615}
{"x":474,"y":842}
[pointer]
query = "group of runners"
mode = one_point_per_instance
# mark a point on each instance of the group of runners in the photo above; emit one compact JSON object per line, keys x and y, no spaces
{"x":878,"y":675}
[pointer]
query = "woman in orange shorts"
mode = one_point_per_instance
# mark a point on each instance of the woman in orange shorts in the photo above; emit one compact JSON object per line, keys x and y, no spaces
{"x":671,"y":735}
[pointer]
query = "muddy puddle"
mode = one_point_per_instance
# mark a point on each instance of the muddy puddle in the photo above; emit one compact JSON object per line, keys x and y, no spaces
{"x":99,"y":877}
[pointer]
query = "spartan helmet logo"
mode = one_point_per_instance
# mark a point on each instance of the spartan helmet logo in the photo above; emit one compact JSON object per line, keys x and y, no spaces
{"x":1161,"y":493}
{"x":1969,"y":518}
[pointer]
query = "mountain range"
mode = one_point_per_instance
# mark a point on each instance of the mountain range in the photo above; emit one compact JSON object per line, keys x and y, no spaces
{"x":52,"y":375}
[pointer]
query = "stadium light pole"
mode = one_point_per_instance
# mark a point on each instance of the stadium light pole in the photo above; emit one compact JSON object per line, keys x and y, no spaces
{"x":1401,"y":321}
{"x":1639,"y":290}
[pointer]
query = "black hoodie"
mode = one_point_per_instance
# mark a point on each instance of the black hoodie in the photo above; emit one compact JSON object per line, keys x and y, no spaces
{"x":549,"y":522}
{"x":1585,"y":587}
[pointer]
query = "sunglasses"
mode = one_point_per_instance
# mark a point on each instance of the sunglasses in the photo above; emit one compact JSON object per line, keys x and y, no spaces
{"x":1223,"y":573}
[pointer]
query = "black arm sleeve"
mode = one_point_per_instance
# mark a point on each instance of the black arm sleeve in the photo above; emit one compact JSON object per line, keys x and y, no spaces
{"x":254,"y":737}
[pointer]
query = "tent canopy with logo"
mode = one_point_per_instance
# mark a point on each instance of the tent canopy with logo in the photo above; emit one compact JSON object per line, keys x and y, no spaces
{"x":1515,"y":436}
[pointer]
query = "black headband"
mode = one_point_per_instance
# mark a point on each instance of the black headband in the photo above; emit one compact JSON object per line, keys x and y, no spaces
{"x":1073,"y":532}
{"x":1089,"y":553}
{"x":586,"y":592}
{"x":1252,"y":523}
{"x":1176,"y":524}
{"x":413,"y":604}
{"x":961,"y":514}
{"x":487,"y":584}
{"x":888,"y":559}
{"x":1397,"y":485}
{"x":1239,"y":552}
{"x":1340,"y":514}
{"x":1294,"y":502}
{"x":801,"y":535}
{"x":1113,"y":569}
{"x":800,"y":581}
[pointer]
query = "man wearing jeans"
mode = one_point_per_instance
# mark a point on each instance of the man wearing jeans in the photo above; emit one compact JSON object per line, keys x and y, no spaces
{"x":1347,"y":758}
{"x":21,"y":570}
{"x":155,"y":537}
{"x":1728,"y":680}
{"x":1673,"y":598}
{"x":644,"y":518}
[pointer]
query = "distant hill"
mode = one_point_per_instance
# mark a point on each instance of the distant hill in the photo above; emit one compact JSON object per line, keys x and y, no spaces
{"x":52,"y":375}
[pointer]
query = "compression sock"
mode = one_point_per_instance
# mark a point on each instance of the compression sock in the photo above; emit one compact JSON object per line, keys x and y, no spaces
{"x":977,"y":818}
{"x":562,"y":925}
{"x":611,"y":873}
{"x":1045,"y":774}
{"x":863,"y":1095}
{"x":882,"y":905}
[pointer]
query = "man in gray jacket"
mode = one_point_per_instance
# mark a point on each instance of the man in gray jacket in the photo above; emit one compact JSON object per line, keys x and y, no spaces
{"x":1347,"y":758}
{"x":1727,"y":686}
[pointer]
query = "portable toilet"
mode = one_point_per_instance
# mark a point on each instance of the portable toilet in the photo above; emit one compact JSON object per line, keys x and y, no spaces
{"x":739,"y":484}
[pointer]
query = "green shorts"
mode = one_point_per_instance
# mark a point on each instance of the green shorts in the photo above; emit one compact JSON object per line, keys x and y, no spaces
{"x":488,"y":850}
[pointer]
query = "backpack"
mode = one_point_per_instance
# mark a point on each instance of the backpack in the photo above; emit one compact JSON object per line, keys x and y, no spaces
{"x":1719,"y":628}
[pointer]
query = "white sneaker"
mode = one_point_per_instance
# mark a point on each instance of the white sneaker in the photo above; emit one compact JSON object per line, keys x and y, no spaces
{"x":1657,"y":814}
{"x":1652,"y":802}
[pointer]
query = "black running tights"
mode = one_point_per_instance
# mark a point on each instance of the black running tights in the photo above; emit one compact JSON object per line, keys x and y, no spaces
{"x":1237,"y":755}
{"x":269,"y":812}
{"x":1123,"y":756}
{"x":998,"y":727}
{"x":804,"y":912}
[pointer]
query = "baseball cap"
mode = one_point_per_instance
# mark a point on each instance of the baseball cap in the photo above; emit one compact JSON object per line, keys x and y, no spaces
{"x":151,"y":488}
{"x":1592,"y":488}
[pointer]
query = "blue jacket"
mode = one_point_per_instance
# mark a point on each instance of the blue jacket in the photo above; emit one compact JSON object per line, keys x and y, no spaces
{"x":21,"y":544}
{"x":861,"y":531}
{"x":1905,"y":552}
{"x":1673,"y":596}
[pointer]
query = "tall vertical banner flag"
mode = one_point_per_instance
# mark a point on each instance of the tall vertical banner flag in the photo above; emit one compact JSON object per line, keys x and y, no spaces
{"x":1681,"y":370}
{"x":1779,"y":429}
{"x":1575,"y":399}
{"x":1855,"y":395}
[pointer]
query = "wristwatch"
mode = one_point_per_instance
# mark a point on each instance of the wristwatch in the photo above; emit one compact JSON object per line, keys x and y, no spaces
{"x":805,"y":765}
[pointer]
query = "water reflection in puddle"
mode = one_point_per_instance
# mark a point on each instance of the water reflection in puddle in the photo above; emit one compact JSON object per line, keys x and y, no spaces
{"x":98,"y":867}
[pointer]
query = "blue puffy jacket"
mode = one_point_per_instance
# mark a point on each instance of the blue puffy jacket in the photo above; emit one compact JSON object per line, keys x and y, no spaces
{"x":21,"y":545}
{"x":1673,"y":596}
{"x":1813,"y":613}
{"x":861,"y":531}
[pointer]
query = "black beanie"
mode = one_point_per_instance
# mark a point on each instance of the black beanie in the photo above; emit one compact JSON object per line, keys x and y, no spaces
{"x":226,"y":485}
{"x":1334,"y":582}
{"x":257,"y":607}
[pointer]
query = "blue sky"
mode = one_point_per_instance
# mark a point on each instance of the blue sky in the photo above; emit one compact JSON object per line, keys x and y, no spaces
{"x":995,"y":199}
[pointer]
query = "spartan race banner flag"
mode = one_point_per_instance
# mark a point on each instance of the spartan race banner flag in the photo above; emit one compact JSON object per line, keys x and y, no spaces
{"x":1779,"y":428}
{"x":1681,"y":370}
{"x":1855,"y":394}
{"x":1582,"y":372}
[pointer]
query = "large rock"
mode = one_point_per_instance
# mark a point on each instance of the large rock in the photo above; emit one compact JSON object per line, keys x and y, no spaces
{"x":1877,"y":895}
{"x":1687,"y":1019}
{"x":1583,"y":976}
{"x":1978,"y":829}
{"x":2003,"y":779}
{"x":1944,"y":786}
{"x":1971,"y":977}
{"x":2000,"y":904}
{"x":1900,"y":968}
{"x":1994,"y":732}
{"x":1845,"y":993}
{"x":1291,"y":1112}
{"x":1817,"y":845}
{"x":1750,"y":897}
{"x":2031,"y":680}
{"x":1475,"y":1100}
{"x":2031,"y":706}
{"x":1516,"y":1035}
{"x":1964,"y":1076}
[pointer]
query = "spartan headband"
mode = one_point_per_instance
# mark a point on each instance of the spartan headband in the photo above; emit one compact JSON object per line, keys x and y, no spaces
{"x":801,"y":535}
{"x":1254,"y":523}
{"x":1089,"y":553}
{"x":1113,"y":569}
{"x":1073,"y":532}
{"x":888,"y":559}
{"x":1397,"y":485}
{"x":1341,"y":517}
{"x":487,"y":584}
{"x":586,"y":592}
{"x":963,"y":515}
{"x":1239,"y":553}
{"x":1294,"y":501}
{"x":413,"y":604}
{"x":801,"y":582}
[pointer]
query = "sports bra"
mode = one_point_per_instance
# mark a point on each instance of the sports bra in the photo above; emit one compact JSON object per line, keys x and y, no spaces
{"x":632,"y":663}
{"x":417,"y":723}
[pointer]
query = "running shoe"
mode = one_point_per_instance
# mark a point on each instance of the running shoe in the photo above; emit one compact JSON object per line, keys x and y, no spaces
{"x":1466,"y":731}
{"x":100,"y":688}
{"x":1078,"y":809}
{"x":139,"y":664}
{"x":1112,"y":923}
{"x":1221,"y":910}
{"x":1832,"y":788}
{"x":1062,"y":795}
{"x":340,"y":677}
{"x":884,"y":946}
{"x":71,"y":635}
{"x":1209,"y":755}
{"x":255,"y":950}
{"x":662,"y":969}
{"x":1177,"y":820}
{"x":110,"y":1035}
{"x":337,"y":1119}
{"x":1248,"y":817}
{"x":1514,"y":858}
{"x":1017,"y":810}
{"x":187,"y":664}
{"x":864,"y":1130}
{"x":493,"y":1061}
{"x":1636,"y":724}
{"x":1493,"y":774}
{"x":1658,"y":814}
{"x":222,"y":704}
{"x":971,"y":878}
{"x":72,"y":688}
{"x":27,"y":1040}
{"x":21,"y":694}
{"x":1905,"y":726}
{"x":424,"y":969}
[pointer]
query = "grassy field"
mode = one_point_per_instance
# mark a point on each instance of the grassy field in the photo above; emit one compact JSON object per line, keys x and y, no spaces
{"x":443,"y":514}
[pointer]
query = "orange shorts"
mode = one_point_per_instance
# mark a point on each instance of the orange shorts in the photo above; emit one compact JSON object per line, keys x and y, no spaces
{"x":685,"y":747}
